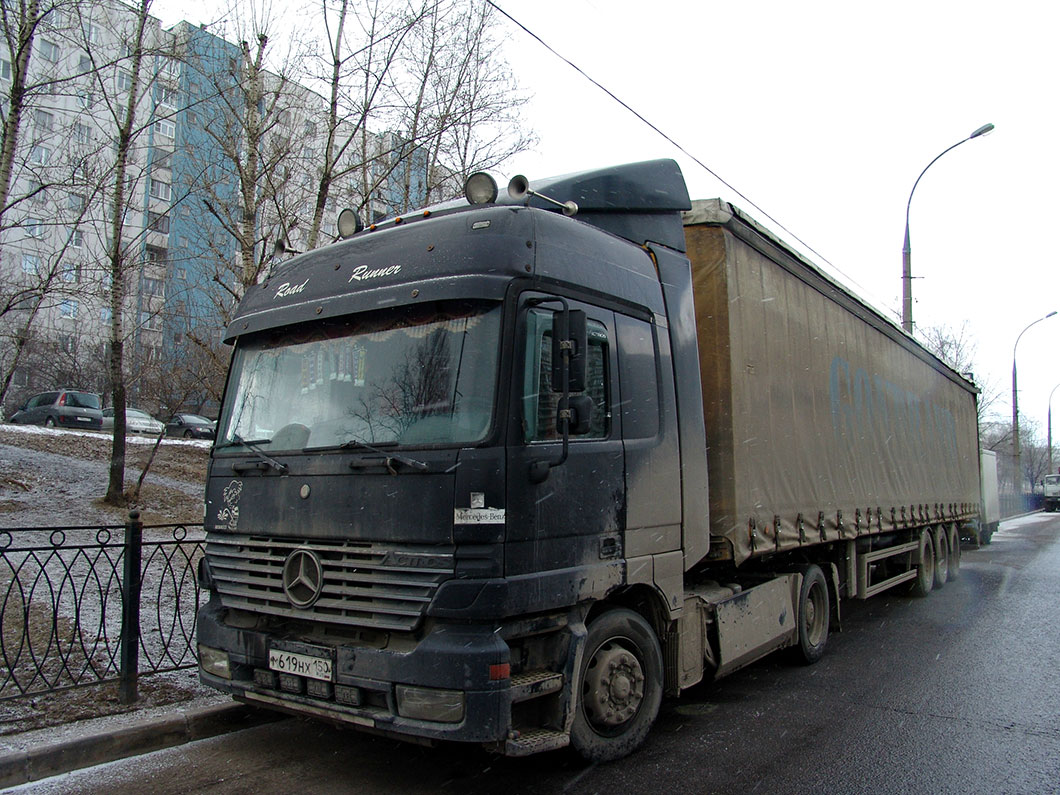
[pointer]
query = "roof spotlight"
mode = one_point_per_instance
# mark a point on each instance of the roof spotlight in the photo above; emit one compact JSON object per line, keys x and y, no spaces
{"x":480,"y":188}
{"x":349,"y":223}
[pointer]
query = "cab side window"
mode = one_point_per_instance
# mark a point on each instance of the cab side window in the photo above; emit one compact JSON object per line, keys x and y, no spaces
{"x":540,"y":403}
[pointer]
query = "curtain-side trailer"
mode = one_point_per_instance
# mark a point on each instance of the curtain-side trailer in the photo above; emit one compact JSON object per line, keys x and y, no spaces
{"x":509,"y":470}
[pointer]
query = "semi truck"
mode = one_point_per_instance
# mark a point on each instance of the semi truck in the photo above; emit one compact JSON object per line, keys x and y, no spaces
{"x":512,"y":469}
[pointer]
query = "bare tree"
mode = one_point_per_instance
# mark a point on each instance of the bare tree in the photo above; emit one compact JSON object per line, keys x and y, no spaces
{"x":958,"y":349}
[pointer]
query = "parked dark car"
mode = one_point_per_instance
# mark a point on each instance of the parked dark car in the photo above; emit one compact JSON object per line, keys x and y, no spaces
{"x":190,"y":426}
{"x":63,"y":408}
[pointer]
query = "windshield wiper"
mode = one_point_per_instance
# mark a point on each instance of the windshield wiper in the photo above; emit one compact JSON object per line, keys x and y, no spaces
{"x":390,"y":458}
{"x":238,"y":440}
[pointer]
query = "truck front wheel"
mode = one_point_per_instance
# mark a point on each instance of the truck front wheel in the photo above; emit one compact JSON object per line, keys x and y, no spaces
{"x":619,"y":687}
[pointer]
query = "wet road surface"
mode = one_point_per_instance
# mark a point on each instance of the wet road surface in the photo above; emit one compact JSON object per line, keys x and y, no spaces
{"x":959,"y":692}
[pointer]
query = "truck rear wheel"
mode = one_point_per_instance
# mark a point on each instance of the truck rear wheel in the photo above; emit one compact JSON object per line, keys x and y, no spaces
{"x":942,"y":555}
{"x":925,"y":565}
{"x":619,"y":687}
{"x":955,"y":551}
{"x":814,"y":615}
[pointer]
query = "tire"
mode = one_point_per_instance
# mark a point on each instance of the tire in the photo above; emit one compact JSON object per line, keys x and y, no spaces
{"x":942,"y":555}
{"x":955,"y":552}
{"x":187,"y":434}
{"x":925,"y":565}
{"x":815,"y":612}
{"x":987,"y":535}
{"x":49,"y":422}
{"x":619,"y":687}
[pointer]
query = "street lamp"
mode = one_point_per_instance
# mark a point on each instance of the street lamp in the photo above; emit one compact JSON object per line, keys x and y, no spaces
{"x":907,"y":252}
{"x":1017,"y":476}
{"x":1049,"y":426}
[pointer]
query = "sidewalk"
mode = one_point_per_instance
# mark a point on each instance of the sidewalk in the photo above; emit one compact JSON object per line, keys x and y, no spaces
{"x":35,"y":755}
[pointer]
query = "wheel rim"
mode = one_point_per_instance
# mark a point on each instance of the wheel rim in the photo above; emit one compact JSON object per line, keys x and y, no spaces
{"x":612,"y":688}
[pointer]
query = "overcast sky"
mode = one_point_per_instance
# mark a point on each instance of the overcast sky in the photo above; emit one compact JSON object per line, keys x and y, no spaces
{"x":823,"y":114}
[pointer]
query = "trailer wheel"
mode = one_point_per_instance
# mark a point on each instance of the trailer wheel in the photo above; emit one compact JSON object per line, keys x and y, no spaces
{"x":814,"y":616}
{"x":619,"y":687}
{"x":942,"y":555}
{"x":925,"y":565}
{"x":955,"y":551}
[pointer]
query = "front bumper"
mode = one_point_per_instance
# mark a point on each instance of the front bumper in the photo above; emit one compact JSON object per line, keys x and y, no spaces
{"x":450,"y":658}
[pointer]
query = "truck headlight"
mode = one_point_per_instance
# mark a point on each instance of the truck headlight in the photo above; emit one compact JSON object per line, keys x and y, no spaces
{"x":426,"y":703}
{"x":215,"y":662}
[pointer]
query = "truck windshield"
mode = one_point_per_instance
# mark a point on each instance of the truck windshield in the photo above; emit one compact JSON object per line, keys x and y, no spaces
{"x":420,"y":376}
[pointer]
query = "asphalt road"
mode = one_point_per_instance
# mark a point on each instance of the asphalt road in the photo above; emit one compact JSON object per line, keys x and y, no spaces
{"x":956,"y":693}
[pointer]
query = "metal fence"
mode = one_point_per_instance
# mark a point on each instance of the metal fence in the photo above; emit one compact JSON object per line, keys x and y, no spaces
{"x":84,"y":605}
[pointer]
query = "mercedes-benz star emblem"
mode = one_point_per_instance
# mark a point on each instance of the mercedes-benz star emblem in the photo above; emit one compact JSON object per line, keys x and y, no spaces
{"x":303,"y":578}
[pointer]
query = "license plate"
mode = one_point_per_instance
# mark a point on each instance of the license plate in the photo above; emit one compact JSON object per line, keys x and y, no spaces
{"x":288,"y":662}
{"x":84,"y":419}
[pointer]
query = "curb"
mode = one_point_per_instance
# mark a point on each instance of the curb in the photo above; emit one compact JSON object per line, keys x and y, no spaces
{"x":53,"y":759}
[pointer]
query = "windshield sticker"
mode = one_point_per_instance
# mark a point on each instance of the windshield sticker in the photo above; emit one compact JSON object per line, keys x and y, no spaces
{"x":229,"y":515}
{"x":362,"y":272}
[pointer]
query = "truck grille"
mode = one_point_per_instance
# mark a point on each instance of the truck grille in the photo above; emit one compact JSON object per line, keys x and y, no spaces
{"x":361,"y":587}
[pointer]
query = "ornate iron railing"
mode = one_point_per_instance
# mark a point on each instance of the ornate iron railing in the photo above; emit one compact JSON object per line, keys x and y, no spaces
{"x":84,"y":605}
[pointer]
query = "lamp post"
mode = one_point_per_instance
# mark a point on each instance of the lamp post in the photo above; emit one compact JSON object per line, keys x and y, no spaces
{"x":907,"y":252}
{"x":1017,"y":475}
{"x":1049,"y":427}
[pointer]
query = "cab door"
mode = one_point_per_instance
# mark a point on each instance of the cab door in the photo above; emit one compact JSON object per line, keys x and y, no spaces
{"x":564,"y":532}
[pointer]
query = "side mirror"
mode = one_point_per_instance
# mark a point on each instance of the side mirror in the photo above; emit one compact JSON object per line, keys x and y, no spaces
{"x":581,"y":414}
{"x":569,"y":328}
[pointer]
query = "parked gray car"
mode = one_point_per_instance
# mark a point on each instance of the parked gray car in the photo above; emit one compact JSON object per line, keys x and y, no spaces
{"x":63,"y":408}
{"x":136,"y":421}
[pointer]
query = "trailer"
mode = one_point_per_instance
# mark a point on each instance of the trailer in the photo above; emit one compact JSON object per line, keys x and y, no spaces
{"x":510,"y":470}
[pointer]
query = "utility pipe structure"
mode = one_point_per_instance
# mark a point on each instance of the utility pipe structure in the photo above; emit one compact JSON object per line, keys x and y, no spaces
{"x":1017,"y":473}
{"x":907,"y":252}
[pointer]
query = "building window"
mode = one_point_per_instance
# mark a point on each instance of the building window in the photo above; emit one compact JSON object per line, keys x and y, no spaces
{"x":166,"y":127}
{"x":124,"y":80}
{"x":86,"y":99}
{"x":77,"y":239}
{"x":34,"y":227}
{"x":156,"y":255}
{"x":170,"y":68}
{"x":43,"y":120}
{"x":151,"y":320}
{"x":71,"y":273}
{"x":68,"y":343}
{"x":163,"y":159}
{"x":105,"y":316}
{"x":82,"y":133}
{"x":77,"y":202}
{"x":5,"y":69}
{"x":158,"y":222}
{"x":182,"y":274}
{"x":161,"y":190}
{"x":40,"y":155}
{"x":152,"y":287}
{"x":91,"y":33}
{"x":68,"y":308}
{"x":48,"y":51}
{"x":167,"y":96}
{"x":31,"y":264}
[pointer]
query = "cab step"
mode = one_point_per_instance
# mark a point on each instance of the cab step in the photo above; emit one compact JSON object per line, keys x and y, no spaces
{"x":533,"y":684}
{"x":533,"y":741}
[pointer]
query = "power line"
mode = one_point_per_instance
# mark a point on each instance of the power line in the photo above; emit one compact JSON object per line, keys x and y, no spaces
{"x":670,"y":140}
